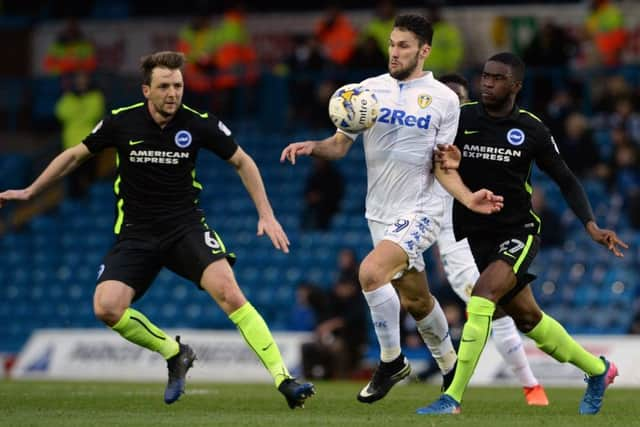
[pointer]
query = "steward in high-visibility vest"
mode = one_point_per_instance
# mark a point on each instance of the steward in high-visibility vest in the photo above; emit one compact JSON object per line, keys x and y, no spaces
{"x":606,"y":26}
{"x":71,"y":52}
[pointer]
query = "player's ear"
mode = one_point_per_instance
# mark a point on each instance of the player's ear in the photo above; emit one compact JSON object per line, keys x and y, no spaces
{"x":426,"y":50}
{"x":517,"y":85}
{"x":145,"y":90}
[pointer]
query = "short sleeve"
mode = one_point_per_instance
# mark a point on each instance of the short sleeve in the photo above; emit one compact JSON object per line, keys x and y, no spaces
{"x":449,"y":126}
{"x":352,"y":136}
{"x":217,"y":138}
{"x":101,"y":136}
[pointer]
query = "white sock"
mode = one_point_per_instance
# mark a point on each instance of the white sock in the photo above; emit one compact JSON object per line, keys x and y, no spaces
{"x":384,"y":306}
{"x":434,"y":331}
{"x":509,"y":344}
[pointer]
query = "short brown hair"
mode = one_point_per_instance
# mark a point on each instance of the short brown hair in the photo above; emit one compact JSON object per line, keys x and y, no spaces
{"x":167,"y":59}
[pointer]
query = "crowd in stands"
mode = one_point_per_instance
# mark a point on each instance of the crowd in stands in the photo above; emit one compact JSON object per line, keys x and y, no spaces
{"x":594,"y":117}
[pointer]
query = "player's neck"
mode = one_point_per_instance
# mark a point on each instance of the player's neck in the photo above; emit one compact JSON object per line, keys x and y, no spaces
{"x":417,"y":74}
{"x":158,"y":117}
{"x":499,"y":111}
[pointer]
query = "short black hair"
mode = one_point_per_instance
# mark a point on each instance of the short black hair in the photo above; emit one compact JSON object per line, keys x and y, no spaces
{"x":417,"y":24}
{"x":167,"y":59}
{"x":454,"y":78}
{"x":513,"y":61}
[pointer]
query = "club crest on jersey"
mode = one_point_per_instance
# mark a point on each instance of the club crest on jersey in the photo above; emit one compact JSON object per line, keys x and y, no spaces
{"x":183,"y":138}
{"x":515,"y":136}
{"x":424,"y":100}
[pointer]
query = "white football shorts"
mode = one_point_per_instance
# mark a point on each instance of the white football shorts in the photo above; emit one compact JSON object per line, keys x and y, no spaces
{"x":414,"y":233}
{"x":457,"y":259}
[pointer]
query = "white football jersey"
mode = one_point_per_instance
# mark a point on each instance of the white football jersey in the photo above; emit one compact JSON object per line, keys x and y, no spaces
{"x":414,"y":116}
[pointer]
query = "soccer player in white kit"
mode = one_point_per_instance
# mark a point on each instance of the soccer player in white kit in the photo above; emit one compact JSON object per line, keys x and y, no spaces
{"x":462,"y":274}
{"x":416,"y":113}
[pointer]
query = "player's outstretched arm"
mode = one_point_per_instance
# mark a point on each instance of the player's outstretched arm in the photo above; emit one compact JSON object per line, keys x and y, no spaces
{"x":332,"y":148}
{"x":482,"y":201}
{"x":578,"y":201}
{"x":65,"y":163}
{"x":267,"y":222}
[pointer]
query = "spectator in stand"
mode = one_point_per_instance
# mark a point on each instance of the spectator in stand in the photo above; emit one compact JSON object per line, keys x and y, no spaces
{"x":447,"y":48}
{"x":557,"y":110}
{"x":367,"y":57}
{"x":578,"y":147}
{"x":348,"y":265}
{"x":235,"y":58}
{"x":551,"y":46}
{"x":71,"y":52}
{"x":336,"y":35}
{"x":626,"y":168}
{"x":310,"y":305}
{"x":379,"y":28}
{"x":552,"y":231}
{"x":225,"y":60}
{"x":605,"y":28}
{"x":340,"y":337}
{"x":626,"y":116}
{"x":197,"y":40}
{"x":78,"y":111}
{"x":323,"y":194}
{"x":304,"y":66}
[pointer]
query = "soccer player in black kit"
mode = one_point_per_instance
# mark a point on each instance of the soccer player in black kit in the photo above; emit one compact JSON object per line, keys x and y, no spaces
{"x":499,"y":143}
{"x":159,"y":223}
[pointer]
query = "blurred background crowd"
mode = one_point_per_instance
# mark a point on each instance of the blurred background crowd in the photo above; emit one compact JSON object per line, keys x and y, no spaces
{"x":268,"y":71}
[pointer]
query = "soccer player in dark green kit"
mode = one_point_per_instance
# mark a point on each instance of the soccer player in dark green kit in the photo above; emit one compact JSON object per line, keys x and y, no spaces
{"x":159,"y":223}
{"x":499,"y":143}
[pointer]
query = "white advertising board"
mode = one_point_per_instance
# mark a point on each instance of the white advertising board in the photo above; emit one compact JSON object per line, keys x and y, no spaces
{"x":103,"y":355}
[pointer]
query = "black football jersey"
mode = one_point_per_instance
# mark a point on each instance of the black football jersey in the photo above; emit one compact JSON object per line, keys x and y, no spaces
{"x":498,"y":154}
{"x":156,"y":178}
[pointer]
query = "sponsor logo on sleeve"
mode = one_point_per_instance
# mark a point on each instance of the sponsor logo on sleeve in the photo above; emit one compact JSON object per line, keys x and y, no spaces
{"x":223,"y":128}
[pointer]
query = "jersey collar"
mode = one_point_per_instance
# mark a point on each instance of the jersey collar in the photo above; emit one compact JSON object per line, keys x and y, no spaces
{"x":171,"y":122}
{"x":513,"y":115}
{"x":408,"y":83}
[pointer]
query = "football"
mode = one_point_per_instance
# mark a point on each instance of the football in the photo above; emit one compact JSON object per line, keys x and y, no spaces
{"x":353,"y":108}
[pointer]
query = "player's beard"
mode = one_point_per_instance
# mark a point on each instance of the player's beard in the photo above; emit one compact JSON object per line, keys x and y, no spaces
{"x":165,"y":113}
{"x":497,"y":104}
{"x":404,"y":73}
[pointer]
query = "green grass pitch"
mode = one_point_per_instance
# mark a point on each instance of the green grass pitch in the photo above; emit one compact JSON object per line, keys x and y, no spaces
{"x":30,"y":403}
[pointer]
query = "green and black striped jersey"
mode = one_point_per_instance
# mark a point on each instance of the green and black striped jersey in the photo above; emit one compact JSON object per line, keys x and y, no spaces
{"x":498,"y":154}
{"x":156,"y":181}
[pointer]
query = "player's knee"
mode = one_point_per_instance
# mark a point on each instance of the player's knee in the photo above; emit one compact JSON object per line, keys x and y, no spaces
{"x":418,"y":307}
{"x":371,"y":277}
{"x":107,"y":312}
{"x":226,"y":292}
{"x":527,"y":321}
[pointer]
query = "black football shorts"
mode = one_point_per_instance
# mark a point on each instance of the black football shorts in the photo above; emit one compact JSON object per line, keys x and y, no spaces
{"x":137,"y":257}
{"x":516,"y":249}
